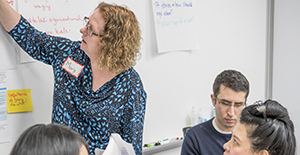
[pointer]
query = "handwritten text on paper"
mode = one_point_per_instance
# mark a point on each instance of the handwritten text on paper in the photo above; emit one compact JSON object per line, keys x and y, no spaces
{"x":19,"y":100}
{"x":168,"y":13}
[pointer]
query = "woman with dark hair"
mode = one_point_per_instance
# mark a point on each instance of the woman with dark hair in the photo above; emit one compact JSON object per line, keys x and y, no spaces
{"x":264,"y":129}
{"x":51,"y":139}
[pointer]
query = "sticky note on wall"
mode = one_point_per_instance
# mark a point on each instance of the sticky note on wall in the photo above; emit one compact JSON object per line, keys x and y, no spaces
{"x":19,"y":101}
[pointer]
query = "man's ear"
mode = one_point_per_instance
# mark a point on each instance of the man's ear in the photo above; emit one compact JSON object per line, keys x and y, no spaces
{"x":246,"y":102}
{"x":263,"y":152}
{"x":213,"y":100}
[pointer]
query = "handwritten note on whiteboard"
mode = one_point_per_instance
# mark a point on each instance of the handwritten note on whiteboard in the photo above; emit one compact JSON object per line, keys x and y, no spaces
{"x":175,"y":25}
{"x":19,"y":100}
{"x":56,"y":17}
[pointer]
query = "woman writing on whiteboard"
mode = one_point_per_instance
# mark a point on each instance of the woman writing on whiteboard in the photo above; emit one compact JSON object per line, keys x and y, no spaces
{"x":96,"y":90}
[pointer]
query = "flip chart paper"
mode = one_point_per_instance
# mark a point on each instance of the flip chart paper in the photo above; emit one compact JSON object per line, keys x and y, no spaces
{"x":175,"y":25}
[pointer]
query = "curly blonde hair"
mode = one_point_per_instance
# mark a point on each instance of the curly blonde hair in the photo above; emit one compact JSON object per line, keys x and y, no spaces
{"x":121,"y":38}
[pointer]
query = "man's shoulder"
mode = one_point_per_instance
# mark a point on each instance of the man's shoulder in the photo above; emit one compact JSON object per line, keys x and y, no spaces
{"x":201,"y":128}
{"x":207,"y":124}
{"x":203,"y":139}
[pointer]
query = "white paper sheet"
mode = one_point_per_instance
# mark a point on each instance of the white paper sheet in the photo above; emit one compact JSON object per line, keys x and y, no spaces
{"x":4,"y":125}
{"x":175,"y":25}
{"x":116,"y":146}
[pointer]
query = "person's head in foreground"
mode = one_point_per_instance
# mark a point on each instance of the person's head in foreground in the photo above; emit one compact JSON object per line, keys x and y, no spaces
{"x":264,"y":129}
{"x":51,"y":139}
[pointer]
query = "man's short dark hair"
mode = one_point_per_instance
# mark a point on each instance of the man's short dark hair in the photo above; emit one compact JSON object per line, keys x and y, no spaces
{"x":232,"y":79}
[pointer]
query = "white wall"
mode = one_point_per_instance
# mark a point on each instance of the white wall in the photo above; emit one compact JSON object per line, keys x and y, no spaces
{"x":286,"y":72}
{"x":232,"y":36}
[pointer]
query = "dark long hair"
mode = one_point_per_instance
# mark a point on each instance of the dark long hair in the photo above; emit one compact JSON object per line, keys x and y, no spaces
{"x":269,"y":128}
{"x":51,"y":139}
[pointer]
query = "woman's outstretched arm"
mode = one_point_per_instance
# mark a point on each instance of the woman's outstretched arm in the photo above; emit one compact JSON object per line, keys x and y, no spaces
{"x":9,"y":18}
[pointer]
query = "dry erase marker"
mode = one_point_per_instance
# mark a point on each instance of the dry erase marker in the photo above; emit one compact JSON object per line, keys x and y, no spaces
{"x":164,"y":141}
{"x":148,"y":145}
{"x":167,"y":140}
{"x":157,"y":144}
{"x":151,"y":144}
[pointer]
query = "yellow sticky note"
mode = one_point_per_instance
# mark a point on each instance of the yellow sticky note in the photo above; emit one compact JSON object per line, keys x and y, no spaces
{"x":19,"y":100}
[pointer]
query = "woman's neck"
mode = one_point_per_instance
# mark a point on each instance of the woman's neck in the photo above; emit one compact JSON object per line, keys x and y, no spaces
{"x":101,"y":76}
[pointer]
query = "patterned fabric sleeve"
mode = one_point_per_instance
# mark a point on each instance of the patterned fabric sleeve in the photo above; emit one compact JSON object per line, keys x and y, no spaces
{"x":38,"y":45}
{"x":133,"y":123}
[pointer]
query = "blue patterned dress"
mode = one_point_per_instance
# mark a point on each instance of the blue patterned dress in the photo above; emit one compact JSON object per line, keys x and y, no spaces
{"x":117,"y":107}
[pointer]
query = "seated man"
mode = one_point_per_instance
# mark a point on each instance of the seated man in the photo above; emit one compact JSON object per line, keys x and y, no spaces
{"x":231,"y":89}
